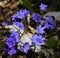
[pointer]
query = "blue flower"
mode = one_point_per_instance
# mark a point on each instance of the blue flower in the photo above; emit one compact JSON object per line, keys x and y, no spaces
{"x":48,"y":26}
{"x":21,"y":14}
{"x":19,"y":24}
{"x":5,"y":23}
{"x":49,"y":22}
{"x":40,"y":29}
{"x":13,"y":39}
{"x":43,"y":6}
{"x":38,"y":40}
{"x":10,"y":42}
{"x":11,"y":51}
{"x":15,"y":35}
{"x":26,"y":47}
{"x":13,"y":17}
{"x":36,"y":17}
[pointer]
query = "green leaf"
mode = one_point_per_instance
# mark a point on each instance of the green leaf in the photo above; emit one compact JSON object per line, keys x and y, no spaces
{"x":21,"y":1}
{"x":52,"y":42}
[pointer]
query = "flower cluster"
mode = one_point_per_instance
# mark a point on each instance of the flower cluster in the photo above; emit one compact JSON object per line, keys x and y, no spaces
{"x":11,"y":41}
{"x":37,"y":38}
{"x":17,"y":18}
